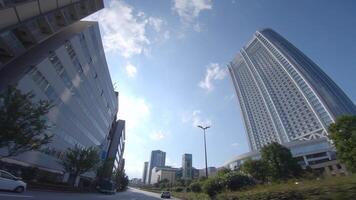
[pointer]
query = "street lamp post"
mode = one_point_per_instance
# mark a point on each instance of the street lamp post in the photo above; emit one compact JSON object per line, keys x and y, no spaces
{"x":206,"y":158}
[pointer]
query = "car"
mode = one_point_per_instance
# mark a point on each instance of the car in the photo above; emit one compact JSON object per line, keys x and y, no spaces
{"x":11,"y":182}
{"x":107,"y":186}
{"x":165,"y":195}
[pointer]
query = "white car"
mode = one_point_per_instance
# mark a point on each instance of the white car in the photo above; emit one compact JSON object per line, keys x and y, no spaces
{"x":11,"y":182}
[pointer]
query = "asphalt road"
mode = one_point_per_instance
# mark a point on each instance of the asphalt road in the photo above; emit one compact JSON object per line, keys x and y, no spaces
{"x":129,"y":194}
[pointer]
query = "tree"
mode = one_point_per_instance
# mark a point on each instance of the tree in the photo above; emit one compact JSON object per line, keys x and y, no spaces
{"x":122,"y":180}
{"x":22,"y":123}
{"x":195,"y":187}
{"x":235,"y":180}
{"x":280,"y":162}
{"x":104,"y":171}
{"x":213,"y":185}
{"x":343,"y":134}
{"x":256,"y":168}
{"x":77,"y":161}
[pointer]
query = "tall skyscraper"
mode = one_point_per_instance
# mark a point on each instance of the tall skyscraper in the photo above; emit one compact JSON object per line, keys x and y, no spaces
{"x":187,"y":168}
{"x":144,"y":174}
{"x":158,"y":159}
{"x":46,"y":50}
{"x":284,"y":96}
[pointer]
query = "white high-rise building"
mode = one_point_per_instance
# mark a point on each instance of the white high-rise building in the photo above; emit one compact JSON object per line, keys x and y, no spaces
{"x":284,"y":96}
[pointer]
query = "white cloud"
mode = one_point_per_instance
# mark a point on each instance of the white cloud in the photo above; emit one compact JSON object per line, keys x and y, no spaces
{"x":235,"y":144}
{"x":131,"y":70}
{"x":230,"y":97}
{"x":197,"y":27}
{"x":188,"y":10}
{"x":213,"y":72}
{"x":157,"y":135}
{"x":134,"y":110}
{"x":156,"y":23}
{"x":196,"y":119}
{"x":123,"y":29}
{"x":166,"y":35}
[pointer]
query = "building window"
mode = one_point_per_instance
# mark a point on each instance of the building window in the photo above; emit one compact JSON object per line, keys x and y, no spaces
{"x":44,"y":85}
{"x":60,"y":69}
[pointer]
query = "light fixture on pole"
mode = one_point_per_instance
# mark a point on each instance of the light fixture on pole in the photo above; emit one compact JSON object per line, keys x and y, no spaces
{"x":206,"y":158}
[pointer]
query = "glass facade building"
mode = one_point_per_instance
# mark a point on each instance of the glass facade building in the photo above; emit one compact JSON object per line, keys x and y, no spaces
{"x":158,"y":159}
{"x":144,"y":174}
{"x":69,"y":71}
{"x":187,"y":167}
{"x":284,"y":96}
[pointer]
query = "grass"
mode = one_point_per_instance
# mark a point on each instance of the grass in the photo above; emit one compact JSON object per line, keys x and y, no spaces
{"x":330,"y":188}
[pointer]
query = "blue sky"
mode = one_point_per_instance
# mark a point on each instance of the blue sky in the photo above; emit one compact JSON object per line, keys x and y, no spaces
{"x":167,"y":58}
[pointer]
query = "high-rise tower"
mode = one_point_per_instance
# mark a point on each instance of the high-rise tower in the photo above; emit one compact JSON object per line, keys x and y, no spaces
{"x":144,"y":174}
{"x":187,"y":168}
{"x":158,"y":159}
{"x":284,"y":96}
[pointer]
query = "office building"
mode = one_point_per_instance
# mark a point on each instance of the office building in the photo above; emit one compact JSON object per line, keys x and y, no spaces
{"x":164,"y":173}
{"x":144,"y":174}
{"x":284,"y":96}
{"x":187,"y":166}
{"x":47,"y":51}
{"x":69,"y":69}
{"x":117,"y":146}
{"x":158,"y":159}
{"x":211,"y":171}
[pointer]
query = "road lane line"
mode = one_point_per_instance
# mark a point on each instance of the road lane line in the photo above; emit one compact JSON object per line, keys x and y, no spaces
{"x":14,"y":195}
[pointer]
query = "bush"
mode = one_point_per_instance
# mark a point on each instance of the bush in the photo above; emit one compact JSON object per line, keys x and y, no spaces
{"x":213,"y":185}
{"x":195,"y":187}
{"x":235,"y":180}
{"x":178,"y":189}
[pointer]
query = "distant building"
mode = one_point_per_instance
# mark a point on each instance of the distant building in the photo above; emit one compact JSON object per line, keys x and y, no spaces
{"x":162,"y":173}
{"x":195,"y":173}
{"x":144,"y":174}
{"x":319,"y":154}
{"x":158,"y":159}
{"x":284,"y":96}
{"x":211,"y":171}
{"x":136,"y":182}
{"x":187,"y":166}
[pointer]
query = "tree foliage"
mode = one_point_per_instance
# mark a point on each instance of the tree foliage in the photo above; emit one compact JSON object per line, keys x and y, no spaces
{"x":78,"y":160}
{"x":280,"y":162}
{"x":256,"y":168}
{"x":343,"y":134}
{"x":22,"y":123}
{"x":235,"y":180}
{"x":122,"y":180}
{"x":195,"y":187}
{"x":104,"y":170}
{"x":213,"y":185}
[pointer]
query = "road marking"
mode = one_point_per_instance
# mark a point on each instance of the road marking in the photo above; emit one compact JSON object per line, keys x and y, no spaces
{"x":14,"y":195}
